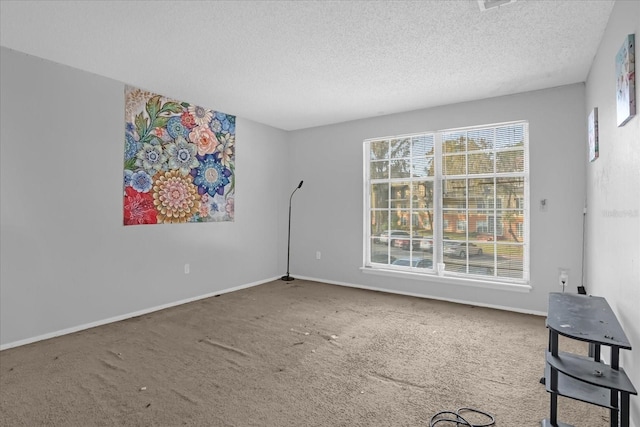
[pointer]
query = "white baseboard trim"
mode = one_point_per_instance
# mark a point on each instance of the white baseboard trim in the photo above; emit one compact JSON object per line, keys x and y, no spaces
{"x":419,"y":295}
{"x":128,"y":315}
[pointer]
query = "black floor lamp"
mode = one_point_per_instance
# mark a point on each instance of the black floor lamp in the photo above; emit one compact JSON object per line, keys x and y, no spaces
{"x":287,"y":277}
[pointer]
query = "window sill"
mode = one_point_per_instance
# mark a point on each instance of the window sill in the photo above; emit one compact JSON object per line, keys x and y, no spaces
{"x":449,"y":280}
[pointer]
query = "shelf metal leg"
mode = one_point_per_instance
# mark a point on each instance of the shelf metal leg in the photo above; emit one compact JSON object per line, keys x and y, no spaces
{"x":596,"y":352}
{"x":553,"y":348}
{"x":614,"y":411}
{"x":615,"y":358}
{"x":553,"y":343}
{"x":624,"y":409}
{"x":615,"y":364}
{"x":553,"y":417}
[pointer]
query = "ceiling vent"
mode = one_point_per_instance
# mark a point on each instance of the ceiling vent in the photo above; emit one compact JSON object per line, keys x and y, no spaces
{"x":492,"y":4}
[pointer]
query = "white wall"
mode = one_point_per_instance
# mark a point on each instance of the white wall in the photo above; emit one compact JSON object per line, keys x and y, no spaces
{"x":67,"y":261}
{"x":613,"y":193}
{"x":328,"y":211}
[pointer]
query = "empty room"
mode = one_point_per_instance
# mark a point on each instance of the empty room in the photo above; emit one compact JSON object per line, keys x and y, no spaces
{"x":319,"y":213}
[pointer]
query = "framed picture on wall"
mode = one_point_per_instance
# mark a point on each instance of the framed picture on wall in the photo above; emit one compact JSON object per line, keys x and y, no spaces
{"x":594,"y":150}
{"x":179,"y":161}
{"x":625,"y":80}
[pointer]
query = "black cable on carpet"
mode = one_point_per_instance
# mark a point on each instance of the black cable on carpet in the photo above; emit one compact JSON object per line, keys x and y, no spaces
{"x":459,"y":419}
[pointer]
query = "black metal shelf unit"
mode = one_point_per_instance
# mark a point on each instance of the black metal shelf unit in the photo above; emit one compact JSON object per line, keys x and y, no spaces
{"x":590,"y":319}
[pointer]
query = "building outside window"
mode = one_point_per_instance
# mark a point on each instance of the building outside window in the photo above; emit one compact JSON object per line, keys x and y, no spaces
{"x":460,"y":197}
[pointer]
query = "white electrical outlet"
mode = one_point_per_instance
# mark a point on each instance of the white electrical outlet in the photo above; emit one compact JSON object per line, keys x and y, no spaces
{"x":563,"y":277}
{"x":186,"y":269}
{"x":318,"y":255}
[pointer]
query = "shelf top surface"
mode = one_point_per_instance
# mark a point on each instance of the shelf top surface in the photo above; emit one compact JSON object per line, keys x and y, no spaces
{"x":585,"y":318}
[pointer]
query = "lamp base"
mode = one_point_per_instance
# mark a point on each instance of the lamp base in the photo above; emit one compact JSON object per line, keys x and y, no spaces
{"x":287,"y":278}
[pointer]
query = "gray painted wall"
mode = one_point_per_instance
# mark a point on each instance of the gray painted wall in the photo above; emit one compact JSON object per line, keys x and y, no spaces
{"x":613,"y":193}
{"x":329,"y":215}
{"x":67,"y":262}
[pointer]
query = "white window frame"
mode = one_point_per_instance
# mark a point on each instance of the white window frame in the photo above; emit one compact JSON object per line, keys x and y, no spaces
{"x":522,"y":284}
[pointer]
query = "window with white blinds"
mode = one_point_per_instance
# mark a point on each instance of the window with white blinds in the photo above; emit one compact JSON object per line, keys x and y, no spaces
{"x":457,"y":199}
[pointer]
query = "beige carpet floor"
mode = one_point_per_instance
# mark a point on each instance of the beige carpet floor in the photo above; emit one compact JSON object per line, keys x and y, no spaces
{"x":290,"y":354}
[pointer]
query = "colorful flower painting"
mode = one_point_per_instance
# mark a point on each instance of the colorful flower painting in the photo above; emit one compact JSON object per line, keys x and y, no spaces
{"x":179,"y":161}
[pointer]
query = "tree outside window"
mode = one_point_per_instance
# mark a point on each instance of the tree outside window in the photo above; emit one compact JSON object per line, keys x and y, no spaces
{"x":460,"y":196}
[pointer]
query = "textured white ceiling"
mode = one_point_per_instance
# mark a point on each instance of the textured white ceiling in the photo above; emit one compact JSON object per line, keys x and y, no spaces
{"x":298,"y":64}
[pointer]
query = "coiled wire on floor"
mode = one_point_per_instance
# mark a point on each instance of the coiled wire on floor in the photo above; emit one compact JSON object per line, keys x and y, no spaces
{"x":459,"y":420}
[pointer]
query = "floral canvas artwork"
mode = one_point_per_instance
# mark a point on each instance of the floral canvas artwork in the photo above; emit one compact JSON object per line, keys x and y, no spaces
{"x":179,"y":161}
{"x":625,"y":81}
